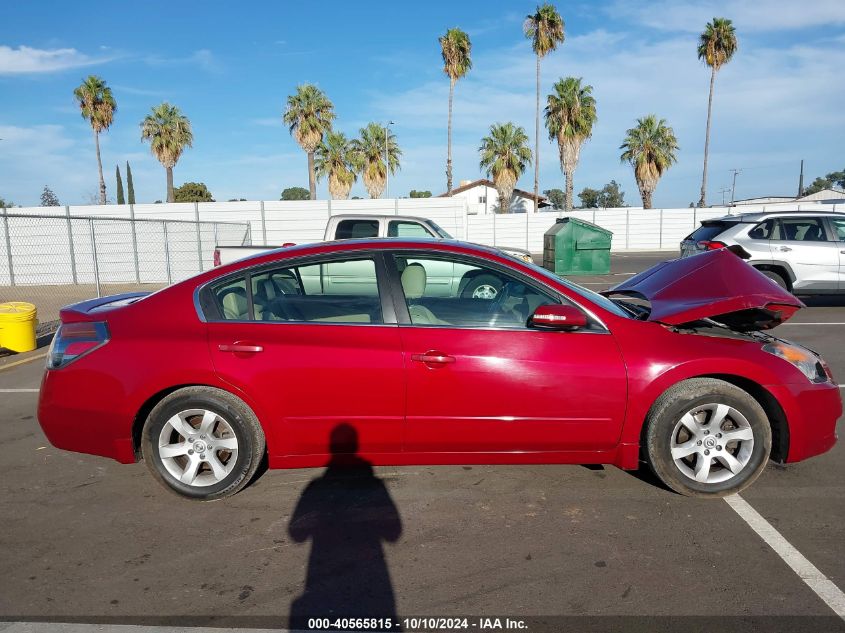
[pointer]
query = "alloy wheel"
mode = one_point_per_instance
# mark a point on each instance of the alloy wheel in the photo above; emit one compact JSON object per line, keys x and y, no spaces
{"x":198,"y":447}
{"x":712,"y":443}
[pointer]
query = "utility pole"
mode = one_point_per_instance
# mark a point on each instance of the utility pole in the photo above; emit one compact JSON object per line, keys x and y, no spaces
{"x":736,"y":172}
{"x":801,"y":180}
{"x":387,"y":159}
{"x":723,"y":191}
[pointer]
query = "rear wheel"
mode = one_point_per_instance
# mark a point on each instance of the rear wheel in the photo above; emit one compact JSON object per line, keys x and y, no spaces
{"x":777,"y":278}
{"x":707,"y":437}
{"x":202,"y":443}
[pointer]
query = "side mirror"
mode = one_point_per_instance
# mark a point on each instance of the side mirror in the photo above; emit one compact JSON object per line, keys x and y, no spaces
{"x":558,"y":317}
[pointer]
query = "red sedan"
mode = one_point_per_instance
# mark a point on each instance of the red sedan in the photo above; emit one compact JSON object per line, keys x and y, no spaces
{"x":421,"y":352}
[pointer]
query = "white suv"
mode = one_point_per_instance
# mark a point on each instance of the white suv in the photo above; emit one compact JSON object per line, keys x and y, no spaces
{"x":801,"y":251}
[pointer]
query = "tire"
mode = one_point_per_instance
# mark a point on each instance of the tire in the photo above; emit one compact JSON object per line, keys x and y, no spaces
{"x":682,"y":419}
{"x":232,"y":432}
{"x":482,"y":286}
{"x":777,"y":278}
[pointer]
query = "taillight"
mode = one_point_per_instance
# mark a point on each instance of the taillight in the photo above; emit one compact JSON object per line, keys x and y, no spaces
{"x":216,"y":260}
{"x":73,"y":340}
{"x":711,"y":246}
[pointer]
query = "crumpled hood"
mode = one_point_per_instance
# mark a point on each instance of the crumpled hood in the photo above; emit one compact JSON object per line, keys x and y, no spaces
{"x":715,"y":285}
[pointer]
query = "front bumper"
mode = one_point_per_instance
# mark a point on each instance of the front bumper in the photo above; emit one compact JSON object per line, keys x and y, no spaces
{"x":812,"y":411}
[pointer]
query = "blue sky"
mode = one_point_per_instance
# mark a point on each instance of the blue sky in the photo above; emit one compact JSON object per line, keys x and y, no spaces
{"x":230,"y":65}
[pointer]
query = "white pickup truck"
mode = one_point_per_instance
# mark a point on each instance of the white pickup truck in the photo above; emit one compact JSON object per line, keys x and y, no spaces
{"x":444,"y":278}
{"x":348,"y":226}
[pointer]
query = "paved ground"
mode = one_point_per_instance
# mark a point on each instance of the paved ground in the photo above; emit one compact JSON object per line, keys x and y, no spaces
{"x":87,"y":540}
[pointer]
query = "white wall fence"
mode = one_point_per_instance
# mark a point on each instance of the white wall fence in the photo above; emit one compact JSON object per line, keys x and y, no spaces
{"x":40,"y":250}
{"x":29,"y":251}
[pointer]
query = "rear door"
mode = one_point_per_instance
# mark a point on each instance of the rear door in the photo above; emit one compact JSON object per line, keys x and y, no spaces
{"x":803,"y":243}
{"x":837,"y":226}
{"x":312,"y":356}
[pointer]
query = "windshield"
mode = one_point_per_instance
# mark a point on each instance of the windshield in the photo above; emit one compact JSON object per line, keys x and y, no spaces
{"x":440,"y":232}
{"x":589,"y":295}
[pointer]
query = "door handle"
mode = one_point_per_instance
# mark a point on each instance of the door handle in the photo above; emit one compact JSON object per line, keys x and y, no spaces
{"x":240,"y":348}
{"x":433,"y":358}
{"x":784,"y":248}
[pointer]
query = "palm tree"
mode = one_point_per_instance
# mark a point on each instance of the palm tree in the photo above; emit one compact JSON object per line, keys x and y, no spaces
{"x":97,"y":104}
{"x":570,"y":116}
{"x":455,"y":47}
{"x":334,"y":159}
{"x":169,"y":133}
{"x":369,"y":155}
{"x":716,"y":46}
{"x":505,"y":155}
{"x":309,"y":115}
{"x":545,"y":30}
{"x":650,"y":148}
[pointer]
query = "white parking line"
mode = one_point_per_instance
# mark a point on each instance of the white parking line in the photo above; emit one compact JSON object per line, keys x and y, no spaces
{"x":812,"y":323}
{"x":19,"y":390}
{"x":809,"y":573}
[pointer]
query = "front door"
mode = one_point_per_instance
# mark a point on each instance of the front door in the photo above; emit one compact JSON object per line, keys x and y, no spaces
{"x":313,"y":354}
{"x":838,"y":227}
{"x":480,"y":380}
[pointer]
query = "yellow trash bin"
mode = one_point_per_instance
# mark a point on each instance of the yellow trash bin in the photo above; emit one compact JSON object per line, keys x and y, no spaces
{"x":17,"y":326}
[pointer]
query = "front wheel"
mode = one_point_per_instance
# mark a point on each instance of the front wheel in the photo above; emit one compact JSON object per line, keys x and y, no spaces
{"x":202,"y":443}
{"x":707,"y":437}
{"x":482,"y":286}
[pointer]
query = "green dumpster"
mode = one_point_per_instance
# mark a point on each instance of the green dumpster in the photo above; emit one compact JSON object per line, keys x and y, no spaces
{"x":576,"y":247}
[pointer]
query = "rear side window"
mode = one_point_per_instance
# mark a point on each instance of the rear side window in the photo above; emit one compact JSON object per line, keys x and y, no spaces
{"x":334,"y":291}
{"x":768,"y":230}
{"x":232,"y":300}
{"x":706,"y":232}
{"x":801,"y":230}
{"x":351,"y":229}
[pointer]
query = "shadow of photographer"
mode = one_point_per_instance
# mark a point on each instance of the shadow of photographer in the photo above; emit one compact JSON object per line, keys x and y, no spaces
{"x":346,"y":513}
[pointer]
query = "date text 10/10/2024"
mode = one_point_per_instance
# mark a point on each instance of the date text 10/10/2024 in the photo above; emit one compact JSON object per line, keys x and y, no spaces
{"x":416,"y":624}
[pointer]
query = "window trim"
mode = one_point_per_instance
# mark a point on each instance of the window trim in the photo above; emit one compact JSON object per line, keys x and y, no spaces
{"x":403,"y":317}
{"x":203,"y":298}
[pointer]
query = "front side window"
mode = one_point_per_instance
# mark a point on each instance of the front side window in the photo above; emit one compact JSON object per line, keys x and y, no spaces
{"x":335,"y":291}
{"x":445,"y":292}
{"x":399,"y":228}
{"x":838,"y":228}
{"x":801,"y":230}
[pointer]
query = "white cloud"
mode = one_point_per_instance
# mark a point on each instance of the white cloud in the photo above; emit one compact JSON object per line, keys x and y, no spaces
{"x":203,"y":58}
{"x":24,"y":60}
{"x":747,"y":15}
{"x":772,"y":106}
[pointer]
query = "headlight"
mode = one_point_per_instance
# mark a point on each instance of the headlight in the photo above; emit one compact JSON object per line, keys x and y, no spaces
{"x":813,"y":367}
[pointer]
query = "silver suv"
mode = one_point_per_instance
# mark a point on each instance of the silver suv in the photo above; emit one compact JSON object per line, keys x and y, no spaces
{"x":801,"y":251}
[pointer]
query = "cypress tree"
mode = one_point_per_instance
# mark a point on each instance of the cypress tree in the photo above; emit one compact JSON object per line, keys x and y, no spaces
{"x":130,"y":188}
{"x":120,"y":199}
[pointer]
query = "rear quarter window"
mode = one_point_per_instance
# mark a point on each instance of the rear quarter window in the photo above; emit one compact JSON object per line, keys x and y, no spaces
{"x":708,"y":231}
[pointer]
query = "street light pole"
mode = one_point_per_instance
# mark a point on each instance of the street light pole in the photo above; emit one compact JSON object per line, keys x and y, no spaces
{"x":387,"y":159}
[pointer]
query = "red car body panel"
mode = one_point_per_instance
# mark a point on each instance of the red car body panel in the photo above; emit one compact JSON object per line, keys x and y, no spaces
{"x":707,"y":285}
{"x":510,"y":396}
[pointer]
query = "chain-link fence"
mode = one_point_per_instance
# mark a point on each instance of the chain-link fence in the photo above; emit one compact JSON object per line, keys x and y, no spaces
{"x":52,"y":261}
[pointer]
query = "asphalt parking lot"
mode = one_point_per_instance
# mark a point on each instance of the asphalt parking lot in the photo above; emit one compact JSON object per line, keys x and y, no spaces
{"x":87,"y":540}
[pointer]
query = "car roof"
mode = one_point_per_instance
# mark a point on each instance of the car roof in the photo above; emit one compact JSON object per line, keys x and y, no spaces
{"x":370,"y":243}
{"x":377,"y":216}
{"x":759,"y":216}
